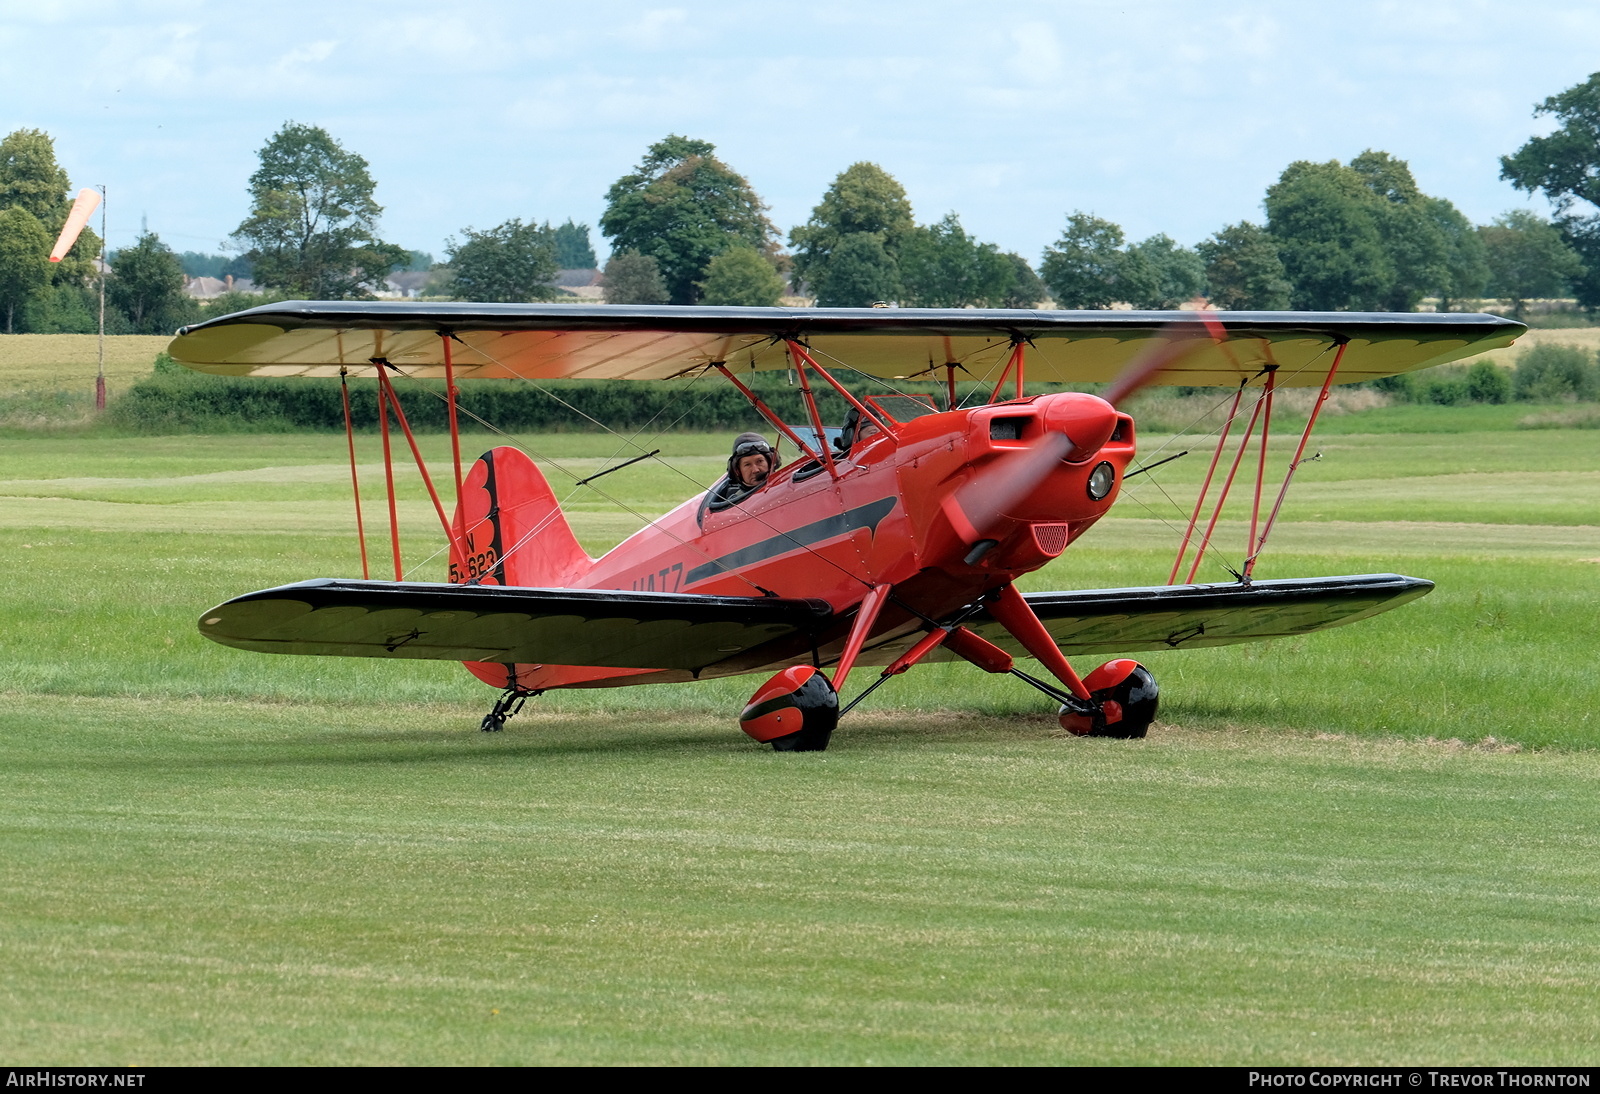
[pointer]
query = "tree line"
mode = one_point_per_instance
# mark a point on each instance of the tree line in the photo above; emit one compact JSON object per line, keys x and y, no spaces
{"x":686,"y":228}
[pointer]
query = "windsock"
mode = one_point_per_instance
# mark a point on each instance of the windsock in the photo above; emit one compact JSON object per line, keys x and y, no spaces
{"x":85,"y":204}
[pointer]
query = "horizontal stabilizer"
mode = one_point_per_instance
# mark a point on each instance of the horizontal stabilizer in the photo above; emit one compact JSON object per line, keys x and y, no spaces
{"x":604,"y":628}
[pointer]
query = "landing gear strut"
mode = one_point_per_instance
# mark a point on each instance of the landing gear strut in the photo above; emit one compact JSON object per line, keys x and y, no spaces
{"x":508,"y":704}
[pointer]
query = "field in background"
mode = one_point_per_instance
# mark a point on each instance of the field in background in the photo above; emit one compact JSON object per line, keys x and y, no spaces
{"x":47,"y":384}
{"x":1583,"y":337}
{"x":47,"y":381}
{"x":1374,"y":843}
{"x":141,"y":534}
{"x":69,"y":361}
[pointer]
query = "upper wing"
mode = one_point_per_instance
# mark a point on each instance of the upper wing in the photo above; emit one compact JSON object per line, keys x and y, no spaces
{"x":507,"y":625}
{"x":566,"y":341}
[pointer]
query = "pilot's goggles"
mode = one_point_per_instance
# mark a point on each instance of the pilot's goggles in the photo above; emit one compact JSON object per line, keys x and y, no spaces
{"x":751,"y":448}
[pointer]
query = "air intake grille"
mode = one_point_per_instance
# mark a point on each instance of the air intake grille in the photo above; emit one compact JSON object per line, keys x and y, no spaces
{"x":1051,"y":538}
{"x":1006,"y":429}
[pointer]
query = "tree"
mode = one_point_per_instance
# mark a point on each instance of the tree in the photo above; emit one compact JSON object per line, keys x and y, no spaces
{"x":146,"y":285}
{"x":1411,"y":237}
{"x":1582,"y":234}
{"x":1168,"y":276}
{"x":1466,"y":262}
{"x":1566,"y":166}
{"x":1323,"y":218}
{"x":312,"y":223}
{"x":1528,"y":259}
{"x":511,"y":264}
{"x":573,"y":249}
{"x":24,"y":261}
{"x":1364,"y":237}
{"x":864,"y":198}
{"x":1487,"y":382}
{"x":683,"y":206}
{"x":941,"y":266}
{"x":1085,"y":268}
{"x":220,"y":267}
{"x":1555,"y":373}
{"x":634,"y":278}
{"x":858,"y":274}
{"x":30,"y":179}
{"x":1243,"y":270}
{"x":232,"y":300}
{"x":741,"y":277}
{"x":415,"y":262}
{"x":1024,"y":290}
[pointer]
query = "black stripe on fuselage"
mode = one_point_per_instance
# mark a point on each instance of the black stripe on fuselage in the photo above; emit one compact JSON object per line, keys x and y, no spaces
{"x":866,"y":516}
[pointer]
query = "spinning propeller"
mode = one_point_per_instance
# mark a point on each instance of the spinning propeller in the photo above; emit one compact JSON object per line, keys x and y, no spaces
{"x":982,"y":504}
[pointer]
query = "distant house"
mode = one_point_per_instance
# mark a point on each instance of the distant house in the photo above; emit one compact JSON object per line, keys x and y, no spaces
{"x":209,"y":288}
{"x":406,"y":285}
{"x":410,"y":284}
{"x":584,"y":284}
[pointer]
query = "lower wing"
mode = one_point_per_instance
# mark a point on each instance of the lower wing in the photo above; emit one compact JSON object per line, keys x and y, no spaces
{"x":686,"y":631}
{"x":510,"y":625}
{"x":1164,"y":617}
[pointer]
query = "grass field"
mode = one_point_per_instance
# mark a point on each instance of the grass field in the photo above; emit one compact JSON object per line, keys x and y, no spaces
{"x":1375,"y":844}
{"x":55,"y":361}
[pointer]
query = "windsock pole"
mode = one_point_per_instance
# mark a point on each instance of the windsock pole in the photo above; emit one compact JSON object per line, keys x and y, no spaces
{"x":100,"y":375}
{"x":82,"y":208}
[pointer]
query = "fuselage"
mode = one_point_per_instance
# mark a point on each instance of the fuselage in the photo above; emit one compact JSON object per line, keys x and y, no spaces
{"x":944,"y":508}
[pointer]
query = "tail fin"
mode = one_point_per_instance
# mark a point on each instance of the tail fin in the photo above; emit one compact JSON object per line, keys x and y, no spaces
{"x":513,"y":529}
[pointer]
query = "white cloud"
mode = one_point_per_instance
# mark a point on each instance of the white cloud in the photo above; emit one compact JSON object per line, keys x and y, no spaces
{"x":1164,"y":115}
{"x":655,"y":29}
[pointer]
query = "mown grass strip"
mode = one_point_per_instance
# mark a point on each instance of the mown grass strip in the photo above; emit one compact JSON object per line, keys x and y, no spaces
{"x":205,"y":882}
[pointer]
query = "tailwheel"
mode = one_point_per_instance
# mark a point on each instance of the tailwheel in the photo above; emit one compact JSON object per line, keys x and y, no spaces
{"x":504,"y":707}
{"x":1125,"y":698}
{"x":795,"y":711}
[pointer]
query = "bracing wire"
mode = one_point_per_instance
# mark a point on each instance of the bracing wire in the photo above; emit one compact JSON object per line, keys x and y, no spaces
{"x":1183,"y":433}
{"x":653,"y":523}
{"x":649,"y":522}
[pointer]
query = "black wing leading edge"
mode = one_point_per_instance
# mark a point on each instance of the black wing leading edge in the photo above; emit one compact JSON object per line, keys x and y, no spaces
{"x":692,"y":632}
{"x":1185,"y":616}
{"x":602,"y":628}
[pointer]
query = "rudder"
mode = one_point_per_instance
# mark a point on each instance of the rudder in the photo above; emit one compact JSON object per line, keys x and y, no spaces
{"x":512,"y":527}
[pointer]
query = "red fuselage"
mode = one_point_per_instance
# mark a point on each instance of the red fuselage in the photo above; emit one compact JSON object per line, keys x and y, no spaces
{"x":944,"y":508}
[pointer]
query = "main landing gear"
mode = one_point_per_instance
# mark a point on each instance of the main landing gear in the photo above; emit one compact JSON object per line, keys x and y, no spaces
{"x":795,"y":711}
{"x":1124,"y":697}
{"x":798,"y":709}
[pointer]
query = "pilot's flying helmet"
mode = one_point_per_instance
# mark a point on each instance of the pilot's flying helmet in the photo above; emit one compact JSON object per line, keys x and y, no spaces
{"x":751,"y":444}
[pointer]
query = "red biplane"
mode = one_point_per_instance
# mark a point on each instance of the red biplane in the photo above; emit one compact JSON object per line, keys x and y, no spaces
{"x":898,"y":544}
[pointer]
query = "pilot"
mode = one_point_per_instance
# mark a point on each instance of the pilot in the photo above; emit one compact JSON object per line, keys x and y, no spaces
{"x":849,"y":432}
{"x":752,"y":460}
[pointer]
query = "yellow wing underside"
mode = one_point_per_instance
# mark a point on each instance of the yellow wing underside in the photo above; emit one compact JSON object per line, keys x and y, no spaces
{"x":296,"y":339}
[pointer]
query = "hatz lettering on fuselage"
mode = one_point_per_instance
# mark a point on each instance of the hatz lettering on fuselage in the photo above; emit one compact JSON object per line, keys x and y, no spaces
{"x":668,"y":579}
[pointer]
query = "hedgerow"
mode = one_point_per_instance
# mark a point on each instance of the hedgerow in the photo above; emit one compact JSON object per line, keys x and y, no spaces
{"x":175,"y":400}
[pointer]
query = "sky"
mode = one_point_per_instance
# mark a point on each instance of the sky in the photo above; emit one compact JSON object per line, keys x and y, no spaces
{"x":1165,"y":117}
